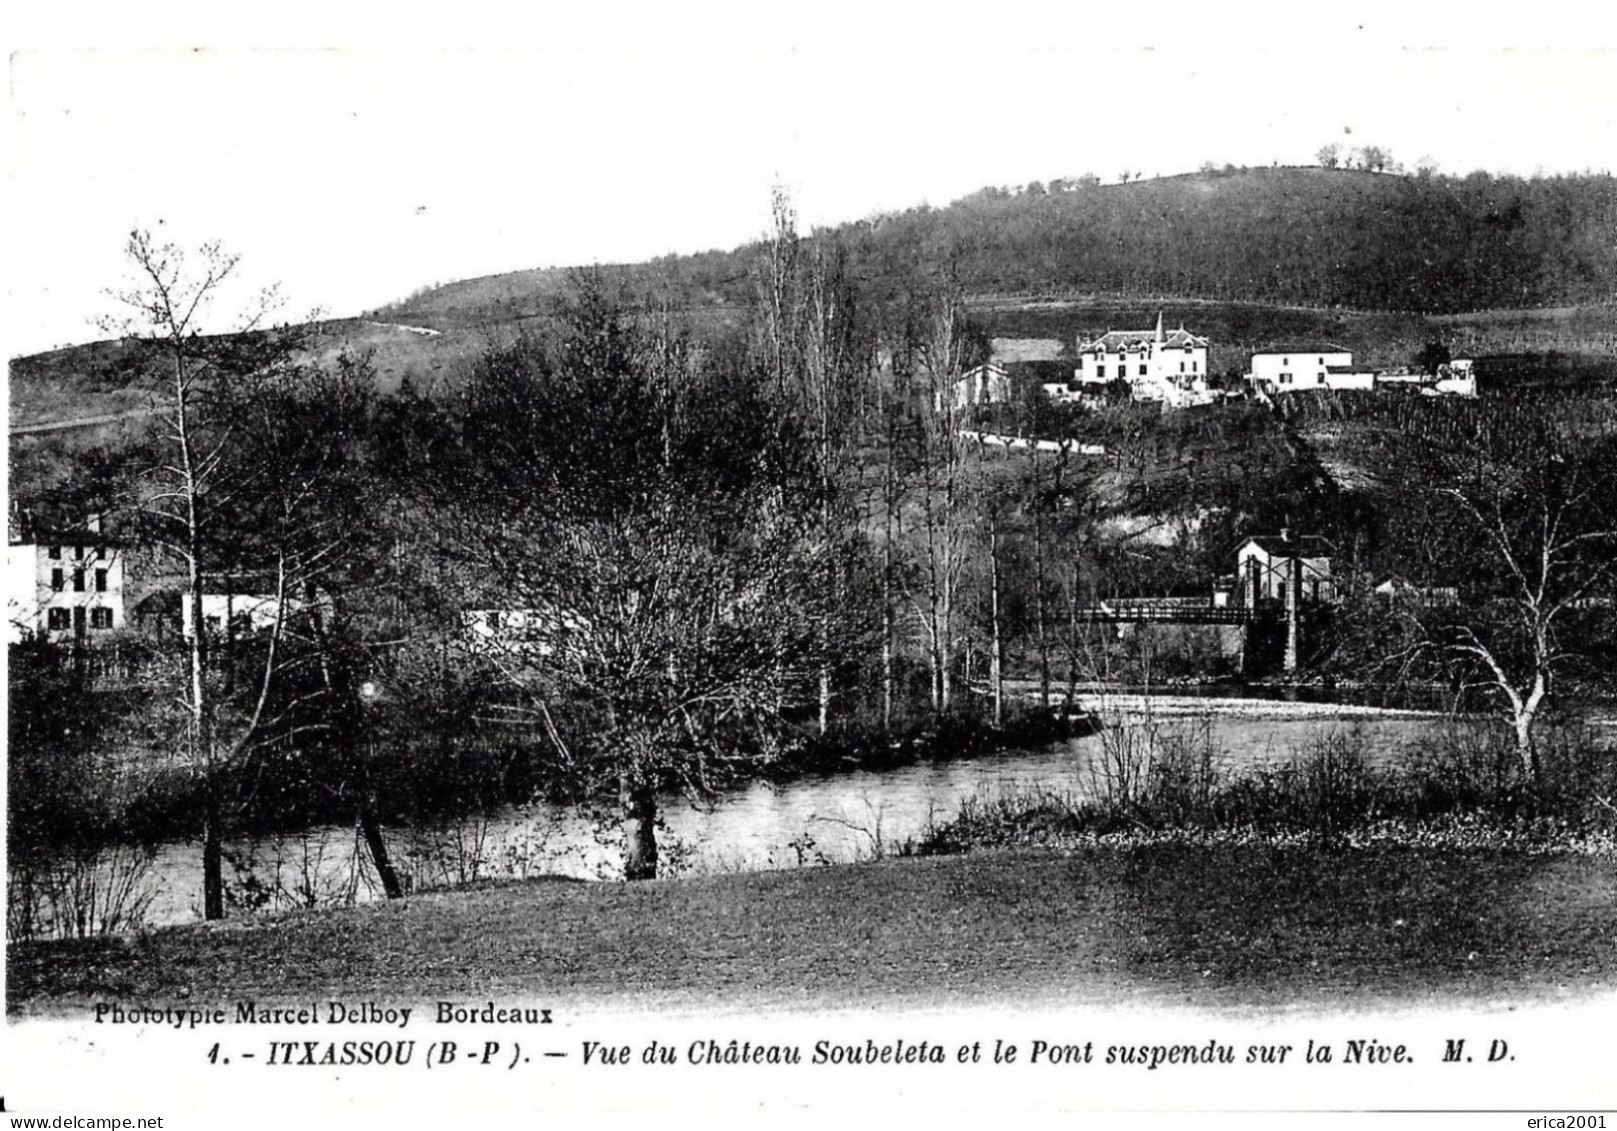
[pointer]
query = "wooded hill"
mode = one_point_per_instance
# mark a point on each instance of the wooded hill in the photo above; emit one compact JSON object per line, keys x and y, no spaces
{"x":1304,"y":236}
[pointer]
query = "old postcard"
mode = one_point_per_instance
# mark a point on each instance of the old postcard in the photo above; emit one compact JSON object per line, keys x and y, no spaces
{"x":813,"y":568}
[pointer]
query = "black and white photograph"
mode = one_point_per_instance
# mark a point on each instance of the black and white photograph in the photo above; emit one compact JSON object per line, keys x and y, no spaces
{"x":814,"y":568}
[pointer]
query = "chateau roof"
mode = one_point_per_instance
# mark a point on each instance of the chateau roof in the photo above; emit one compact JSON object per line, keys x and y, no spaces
{"x":1307,"y":545}
{"x":1114,"y":340}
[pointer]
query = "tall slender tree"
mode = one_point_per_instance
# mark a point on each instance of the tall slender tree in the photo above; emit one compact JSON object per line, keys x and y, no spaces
{"x":209,"y":500}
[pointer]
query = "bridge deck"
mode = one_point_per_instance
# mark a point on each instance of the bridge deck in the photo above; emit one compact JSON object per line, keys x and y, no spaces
{"x":1150,"y":612}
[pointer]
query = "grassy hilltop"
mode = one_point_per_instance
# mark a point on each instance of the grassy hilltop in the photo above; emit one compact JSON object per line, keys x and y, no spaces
{"x":1377,"y":263}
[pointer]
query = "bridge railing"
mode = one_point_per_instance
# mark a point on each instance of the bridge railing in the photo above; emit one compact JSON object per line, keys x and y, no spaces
{"x":1167,"y":610}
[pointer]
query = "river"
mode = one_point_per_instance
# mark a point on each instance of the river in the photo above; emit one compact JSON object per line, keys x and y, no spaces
{"x":837,"y":818}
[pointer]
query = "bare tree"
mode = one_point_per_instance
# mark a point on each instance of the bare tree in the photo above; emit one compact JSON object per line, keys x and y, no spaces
{"x":168,"y":299}
{"x":831,"y":391}
{"x":1549,"y":525}
{"x":242,"y":488}
{"x":1529,"y":504}
{"x":945,"y":519}
{"x":653,"y":532}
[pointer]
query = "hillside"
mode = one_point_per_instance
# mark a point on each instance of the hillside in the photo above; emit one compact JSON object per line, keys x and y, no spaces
{"x":1377,"y":263}
{"x":1249,"y":259}
{"x":1330,"y":238}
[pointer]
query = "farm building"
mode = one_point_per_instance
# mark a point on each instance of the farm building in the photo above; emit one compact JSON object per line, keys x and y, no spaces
{"x":236,"y":604}
{"x":1398,"y":590}
{"x":986,"y":384}
{"x":65,"y":584}
{"x":1305,"y":367}
{"x":1267,"y":567}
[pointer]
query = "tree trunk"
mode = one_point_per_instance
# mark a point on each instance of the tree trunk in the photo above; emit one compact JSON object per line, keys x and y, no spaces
{"x":827,"y":613}
{"x":201,"y":707}
{"x":213,"y":874}
{"x":824,"y":719}
{"x":1294,"y":581}
{"x":372,"y":830}
{"x":887,"y":590}
{"x":639,"y":804}
{"x":996,"y":660}
{"x":1072,"y":634}
{"x":887,"y":635}
{"x":1526,"y":714}
{"x":1526,"y":749}
{"x":1039,"y":586}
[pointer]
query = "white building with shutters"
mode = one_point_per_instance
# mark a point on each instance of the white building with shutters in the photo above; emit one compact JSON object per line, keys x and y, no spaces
{"x":62,"y":585}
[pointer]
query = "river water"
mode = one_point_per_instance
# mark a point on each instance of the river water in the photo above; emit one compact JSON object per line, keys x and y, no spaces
{"x":819,"y":819}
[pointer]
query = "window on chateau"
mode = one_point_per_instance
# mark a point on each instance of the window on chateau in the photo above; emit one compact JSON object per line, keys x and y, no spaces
{"x":100,"y":618}
{"x":57,"y":619}
{"x":55,"y":553}
{"x":1142,"y":369}
{"x":100,"y":581}
{"x":57,"y":580}
{"x":78,"y":581}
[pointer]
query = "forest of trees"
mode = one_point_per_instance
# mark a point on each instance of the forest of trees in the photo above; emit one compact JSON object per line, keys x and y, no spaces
{"x":733,"y":553}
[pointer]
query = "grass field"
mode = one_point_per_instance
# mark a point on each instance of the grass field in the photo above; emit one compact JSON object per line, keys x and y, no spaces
{"x":1225,"y":927}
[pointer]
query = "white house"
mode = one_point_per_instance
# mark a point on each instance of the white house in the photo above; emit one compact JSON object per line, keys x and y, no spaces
{"x":241,"y":613}
{"x":986,"y":384}
{"x":1399,"y":590}
{"x":1306,"y":367}
{"x":1265,"y":566}
{"x":513,"y":632}
{"x":64,"y":584}
{"x":241,"y":605}
{"x":1458,"y":378}
{"x":1022,"y":443}
{"x":523,"y":633}
{"x":1158,"y":365}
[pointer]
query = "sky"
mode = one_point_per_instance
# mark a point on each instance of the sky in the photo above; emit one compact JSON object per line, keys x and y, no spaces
{"x":354,"y":176}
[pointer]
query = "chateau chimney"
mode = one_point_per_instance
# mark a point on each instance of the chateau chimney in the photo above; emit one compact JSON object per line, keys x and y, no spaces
{"x":1285,"y":534}
{"x":93,"y":523}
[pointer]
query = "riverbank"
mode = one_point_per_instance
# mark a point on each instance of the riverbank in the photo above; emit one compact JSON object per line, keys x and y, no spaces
{"x":1222,"y":926}
{"x":1110,"y":703}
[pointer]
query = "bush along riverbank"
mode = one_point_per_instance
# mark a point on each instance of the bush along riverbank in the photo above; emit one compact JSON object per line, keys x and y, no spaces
{"x":87,"y":847}
{"x":1460,"y":790}
{"x":959,"y":734}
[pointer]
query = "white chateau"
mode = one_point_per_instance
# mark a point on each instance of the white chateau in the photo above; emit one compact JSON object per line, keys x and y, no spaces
{"x":1169,"y":366}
